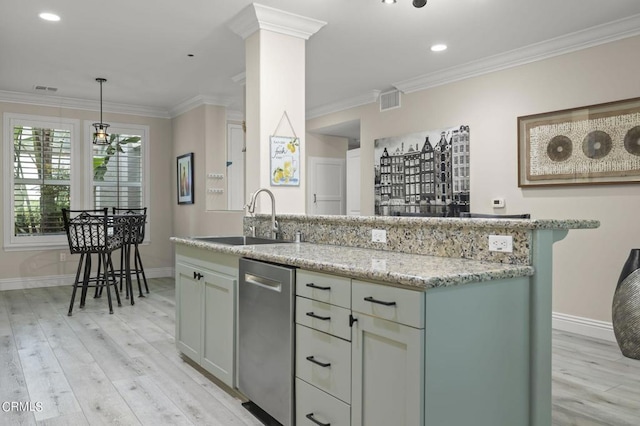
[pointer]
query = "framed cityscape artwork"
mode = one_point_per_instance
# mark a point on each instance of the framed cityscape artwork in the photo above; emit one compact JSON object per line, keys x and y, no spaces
{"x":423,"y":174}
{"x":596,"y":144}
{"x":185,"y":179}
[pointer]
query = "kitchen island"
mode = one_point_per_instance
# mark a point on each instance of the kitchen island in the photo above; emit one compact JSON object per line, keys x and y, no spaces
{"x":475,"y":346}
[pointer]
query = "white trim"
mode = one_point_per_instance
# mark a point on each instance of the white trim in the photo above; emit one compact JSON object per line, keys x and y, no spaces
{"x":199,"y":100}
{"x":12,"y":242}
{"x":594,"y":36}
{"x":356,"y":101}
{"x":67,"y":280}
{"x":590,"y":37}
{"x":81,"y":104}
{"x":259,"y":17}
{"x":584,"y":326}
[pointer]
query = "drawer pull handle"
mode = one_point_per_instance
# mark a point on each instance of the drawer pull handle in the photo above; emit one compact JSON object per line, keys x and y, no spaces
{"x":312,"y":315}
{"x":379,"y":302}
{"x":317,"y":287}
{"x":321,"y":364}
{"x":319,"y":423}
{"x":197,"y":275}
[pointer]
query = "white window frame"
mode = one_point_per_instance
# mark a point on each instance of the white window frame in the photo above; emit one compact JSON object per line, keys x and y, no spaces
{"x":11,"y":241}
{"x":121,"y":128}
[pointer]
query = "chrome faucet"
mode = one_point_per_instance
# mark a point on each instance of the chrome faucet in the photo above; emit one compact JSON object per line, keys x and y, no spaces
{"x":252,"y":206}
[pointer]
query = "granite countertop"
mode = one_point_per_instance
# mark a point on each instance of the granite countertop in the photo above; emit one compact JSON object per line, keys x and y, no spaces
{"x":418,"y":272}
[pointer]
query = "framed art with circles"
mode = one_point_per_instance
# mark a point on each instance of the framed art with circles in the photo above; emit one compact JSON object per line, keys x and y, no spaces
{"x":594,"y":144}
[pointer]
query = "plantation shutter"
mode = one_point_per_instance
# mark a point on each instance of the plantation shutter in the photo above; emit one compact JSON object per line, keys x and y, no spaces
{"x":118,"y":172}
{"x":41,"y":178}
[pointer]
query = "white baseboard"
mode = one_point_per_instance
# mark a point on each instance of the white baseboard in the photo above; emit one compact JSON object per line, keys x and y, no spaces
{"x":584,"y":326}
{"x":61,"y":280}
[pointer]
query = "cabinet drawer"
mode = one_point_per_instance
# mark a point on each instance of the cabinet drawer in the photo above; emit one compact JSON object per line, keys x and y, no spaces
{"x":390,"y":303}
{"x":324,"y":361}
{"x":324,"y":287}
{"x":324,"y":317}
{"x":312,"y":403}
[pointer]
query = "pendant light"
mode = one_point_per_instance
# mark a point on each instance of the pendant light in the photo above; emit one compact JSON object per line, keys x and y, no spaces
{"x":100,"y":136}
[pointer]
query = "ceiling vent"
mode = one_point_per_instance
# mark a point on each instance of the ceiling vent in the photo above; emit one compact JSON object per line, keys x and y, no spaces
{"x":45,"y":89}
{"x":390,"y":100}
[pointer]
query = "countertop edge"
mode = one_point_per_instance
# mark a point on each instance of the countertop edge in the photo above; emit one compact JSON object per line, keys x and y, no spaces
{"x":554,"y":224}
{"x":397,"y":279}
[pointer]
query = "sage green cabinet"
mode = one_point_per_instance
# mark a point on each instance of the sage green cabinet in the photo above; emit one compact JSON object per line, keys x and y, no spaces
{"x":206,"y":289}
{"x":387,"y":361}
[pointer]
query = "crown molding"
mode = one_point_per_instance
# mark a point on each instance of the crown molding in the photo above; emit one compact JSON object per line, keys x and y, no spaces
{"x":594,"y":36}
{"x":356,"y":101}
{"x":259,"y":17}
{"x":81,"y":104}
{"x":197,"y":101}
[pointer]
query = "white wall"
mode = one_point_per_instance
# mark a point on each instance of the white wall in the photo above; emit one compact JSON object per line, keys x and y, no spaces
{"x":326,"y":146}
{"x":587,"y":263}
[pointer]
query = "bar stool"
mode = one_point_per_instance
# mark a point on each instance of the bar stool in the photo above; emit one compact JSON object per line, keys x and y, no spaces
{"x":134,"y":236}
{"x":88,"y":232}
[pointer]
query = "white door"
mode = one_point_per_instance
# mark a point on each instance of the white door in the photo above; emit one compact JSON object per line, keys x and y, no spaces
{"x":326,"y":185}
{"x":235,"y":167}
{"x":353,"y":182}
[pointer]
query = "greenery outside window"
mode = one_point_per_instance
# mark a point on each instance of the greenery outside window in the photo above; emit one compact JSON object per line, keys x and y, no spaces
{"x":38,"y":159}
{"x":119,"y":169}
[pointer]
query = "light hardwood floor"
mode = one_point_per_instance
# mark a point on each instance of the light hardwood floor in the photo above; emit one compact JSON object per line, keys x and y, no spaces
{"x":95,"y":368}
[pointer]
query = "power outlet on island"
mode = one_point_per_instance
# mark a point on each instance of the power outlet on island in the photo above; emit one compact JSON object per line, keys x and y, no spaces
{"x":502,"y":243}
{"x":378,"y":236}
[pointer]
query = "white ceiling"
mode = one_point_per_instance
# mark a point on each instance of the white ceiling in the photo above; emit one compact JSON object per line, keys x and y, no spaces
{"x":367,"y":47}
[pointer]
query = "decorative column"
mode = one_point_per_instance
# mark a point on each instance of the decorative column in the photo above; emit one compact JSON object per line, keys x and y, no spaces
{"x":275,"y":85}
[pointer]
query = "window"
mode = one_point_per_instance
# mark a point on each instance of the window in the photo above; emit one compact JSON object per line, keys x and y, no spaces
{"x":50,"y":166}
{"x":117,"y":172}
{"x":40,"y":152}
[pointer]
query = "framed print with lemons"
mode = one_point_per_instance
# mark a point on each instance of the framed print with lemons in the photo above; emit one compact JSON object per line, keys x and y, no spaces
{"x":285,"y":160}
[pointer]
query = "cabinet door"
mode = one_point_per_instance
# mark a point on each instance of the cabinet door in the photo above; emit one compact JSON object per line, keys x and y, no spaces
{"x":219,"y":330}
{"x":387,"y":373}
{"x":188,"y":311}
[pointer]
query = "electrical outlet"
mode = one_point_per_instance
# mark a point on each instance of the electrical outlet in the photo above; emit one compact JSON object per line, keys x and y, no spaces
{"x":63,"y":256}
{"x":378,"y":236}
{"x":503,"y":243}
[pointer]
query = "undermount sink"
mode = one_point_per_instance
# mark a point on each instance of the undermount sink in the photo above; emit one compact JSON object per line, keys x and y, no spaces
{"x":239,"y":240}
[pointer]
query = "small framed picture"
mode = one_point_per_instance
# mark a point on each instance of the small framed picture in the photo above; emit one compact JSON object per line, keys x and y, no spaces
{"x":185,"y":178}
{"x":285,"y":161}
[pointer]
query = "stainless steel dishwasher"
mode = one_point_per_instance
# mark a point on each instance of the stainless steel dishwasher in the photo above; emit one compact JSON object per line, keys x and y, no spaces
{"x":266,"y":337}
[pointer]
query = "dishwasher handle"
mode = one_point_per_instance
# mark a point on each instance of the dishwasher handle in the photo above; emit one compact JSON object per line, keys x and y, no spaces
{"x":263,"y":282}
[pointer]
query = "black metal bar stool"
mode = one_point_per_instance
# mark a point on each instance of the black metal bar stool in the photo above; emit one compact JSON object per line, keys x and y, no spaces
{"x":89,"y":232}
{"x":136,"y":220}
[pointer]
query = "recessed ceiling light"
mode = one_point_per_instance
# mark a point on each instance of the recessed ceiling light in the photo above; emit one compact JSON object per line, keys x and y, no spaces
{"x":438,"y":47}
{"x":47,"y":16}
{"x":388,"y":1}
